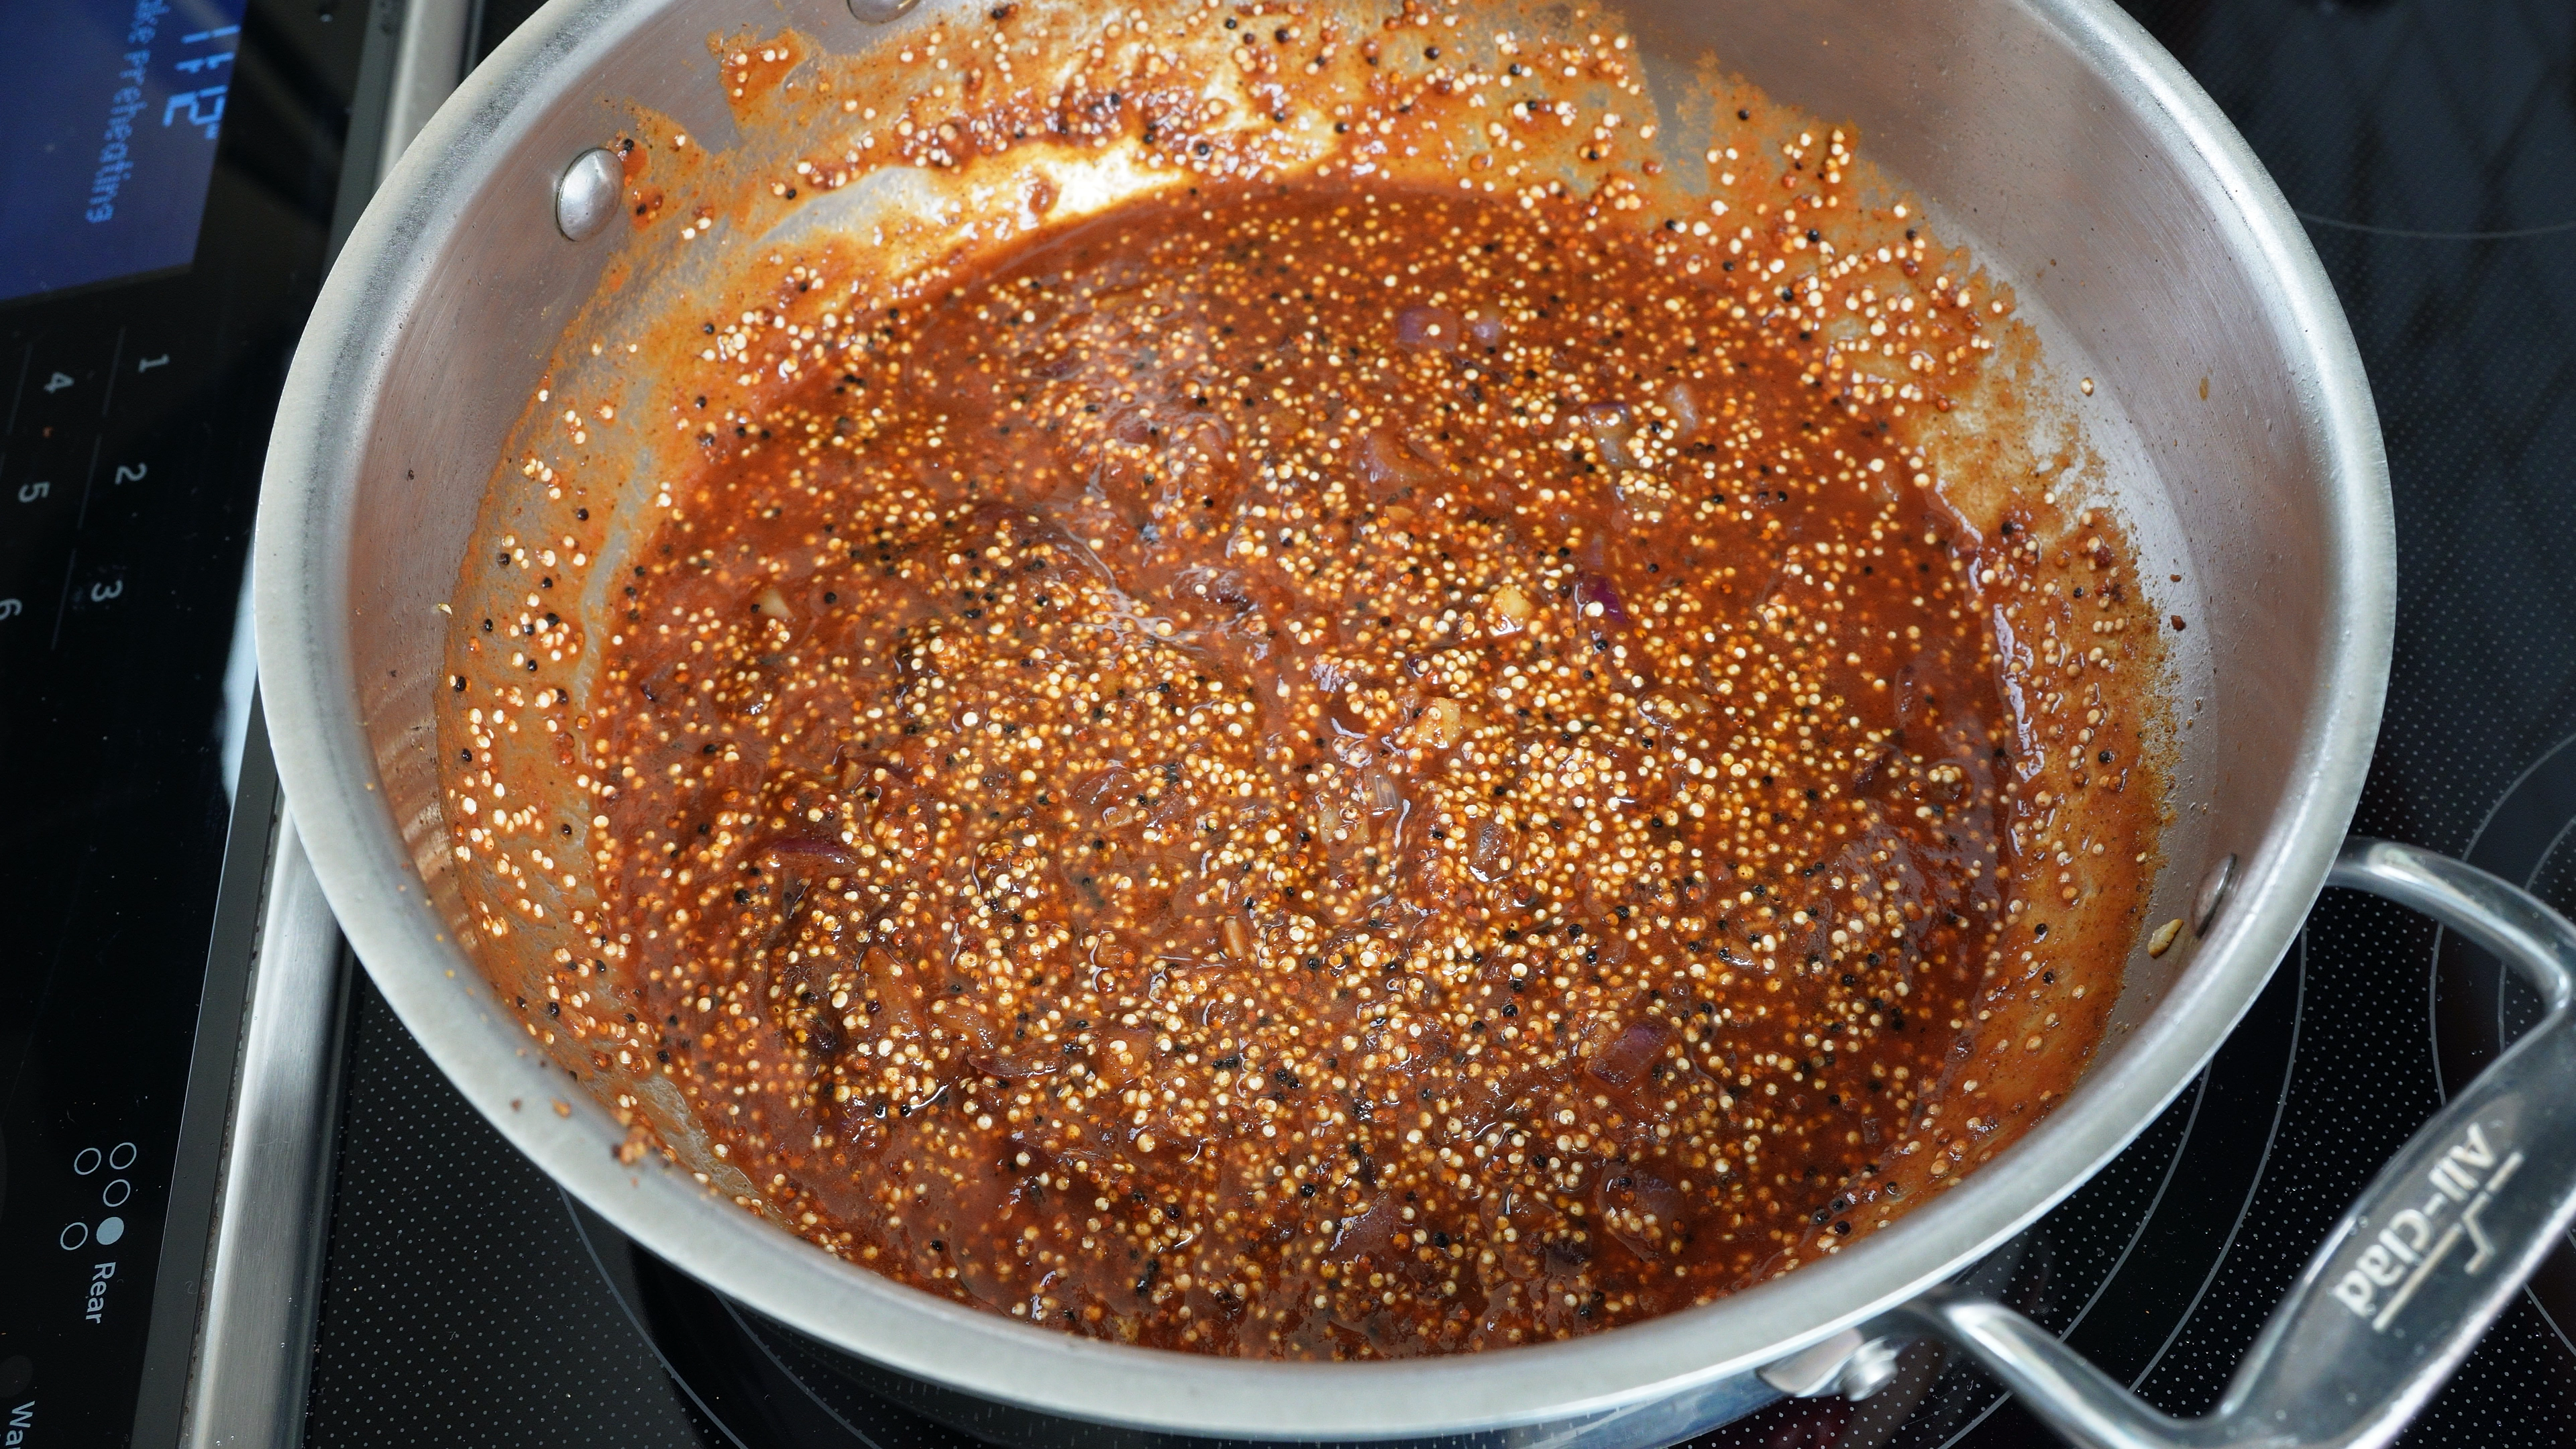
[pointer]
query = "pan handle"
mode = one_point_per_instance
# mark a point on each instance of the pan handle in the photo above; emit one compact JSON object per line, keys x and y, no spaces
{"x":2436,"y":1246}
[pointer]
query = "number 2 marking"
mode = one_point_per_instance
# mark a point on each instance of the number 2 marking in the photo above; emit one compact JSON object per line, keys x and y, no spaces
{"x":131,"y":472}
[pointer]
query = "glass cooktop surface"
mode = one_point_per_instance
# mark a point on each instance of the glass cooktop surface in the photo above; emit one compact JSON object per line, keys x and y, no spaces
{"x":2430,"y":146}
{"x":168,"y":184}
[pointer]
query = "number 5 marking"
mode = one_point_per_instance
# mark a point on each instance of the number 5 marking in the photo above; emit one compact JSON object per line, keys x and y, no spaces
{"x":30,"y":492}
{"x":11,"y":608}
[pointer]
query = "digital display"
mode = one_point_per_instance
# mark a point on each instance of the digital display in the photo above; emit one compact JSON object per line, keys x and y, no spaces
{"x":111,"y":109}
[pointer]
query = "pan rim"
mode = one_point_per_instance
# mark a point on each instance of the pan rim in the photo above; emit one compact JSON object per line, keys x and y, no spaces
{"x":303,"y":624}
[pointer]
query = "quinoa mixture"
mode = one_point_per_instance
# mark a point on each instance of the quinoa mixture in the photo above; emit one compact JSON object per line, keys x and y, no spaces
{"x":1333,"y":771}
{"x":1439,"y":730}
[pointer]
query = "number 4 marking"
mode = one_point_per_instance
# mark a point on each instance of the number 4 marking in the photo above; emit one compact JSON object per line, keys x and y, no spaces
{"x":58,"y":382}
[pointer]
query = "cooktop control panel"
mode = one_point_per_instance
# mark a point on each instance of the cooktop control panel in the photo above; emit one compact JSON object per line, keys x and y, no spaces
{"x":166,"y":208}
{"x":82,"y":470}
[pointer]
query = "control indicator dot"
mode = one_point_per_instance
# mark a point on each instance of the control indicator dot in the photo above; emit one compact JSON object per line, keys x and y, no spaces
{"x":86,"y":1163}
{"x":121,"y":1156}
{"x":116,"y":1192}
{"x":74,"y":1234}
{"x":110,"y":1230}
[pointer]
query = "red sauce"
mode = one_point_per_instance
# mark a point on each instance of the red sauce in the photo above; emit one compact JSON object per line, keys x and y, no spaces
{"x":1295,"y":769}
{"x":1306,"y":773}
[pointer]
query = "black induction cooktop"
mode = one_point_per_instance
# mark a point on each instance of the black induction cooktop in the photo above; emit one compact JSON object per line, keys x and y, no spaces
{"x":2430,"y":147}
{"x":170,"y":172}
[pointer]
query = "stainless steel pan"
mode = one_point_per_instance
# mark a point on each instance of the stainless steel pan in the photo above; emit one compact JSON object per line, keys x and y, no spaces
{"x":2154,"y":256}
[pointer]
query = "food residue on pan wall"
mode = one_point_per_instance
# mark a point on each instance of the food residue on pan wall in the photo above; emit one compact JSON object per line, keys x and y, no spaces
{"x":1285,"y":696}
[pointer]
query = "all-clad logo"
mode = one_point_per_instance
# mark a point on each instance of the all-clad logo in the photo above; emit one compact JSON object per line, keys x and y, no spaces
{"x":2408,"y":1250}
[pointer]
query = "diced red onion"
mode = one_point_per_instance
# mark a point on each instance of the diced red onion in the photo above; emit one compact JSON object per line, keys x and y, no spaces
{"x":1434,"y":328}
{"x":1591,"y":589}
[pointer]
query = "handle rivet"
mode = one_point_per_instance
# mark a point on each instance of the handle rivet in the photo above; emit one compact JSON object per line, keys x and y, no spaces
{"x":586,"y":195}
{"x":2213,"y":892}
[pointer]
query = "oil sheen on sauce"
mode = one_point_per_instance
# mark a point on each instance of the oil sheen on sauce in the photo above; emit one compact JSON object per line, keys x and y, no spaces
{"x":1326,"y":771}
